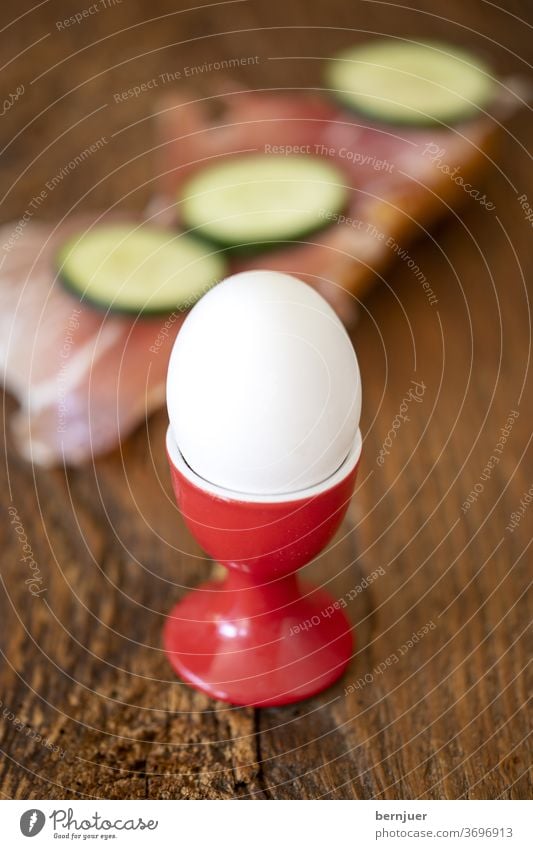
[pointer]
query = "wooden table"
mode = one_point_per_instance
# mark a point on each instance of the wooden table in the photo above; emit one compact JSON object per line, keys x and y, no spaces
{"x":83,"y":666}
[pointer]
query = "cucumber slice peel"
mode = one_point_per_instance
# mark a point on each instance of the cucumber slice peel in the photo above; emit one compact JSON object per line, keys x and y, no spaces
{"x":262,"y":199}
{"x":405,"y":83}
{"x":138,"y":269}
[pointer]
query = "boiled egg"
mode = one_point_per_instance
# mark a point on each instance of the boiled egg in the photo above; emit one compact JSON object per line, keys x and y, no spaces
{"x":263,"y":388}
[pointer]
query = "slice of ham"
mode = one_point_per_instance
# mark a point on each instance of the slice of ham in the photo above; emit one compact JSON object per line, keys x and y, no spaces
{"x":398,"y":183}
{"x":83,"y":378}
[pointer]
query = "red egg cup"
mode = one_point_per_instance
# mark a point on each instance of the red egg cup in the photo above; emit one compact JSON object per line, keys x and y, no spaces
{"x":259,"y":637}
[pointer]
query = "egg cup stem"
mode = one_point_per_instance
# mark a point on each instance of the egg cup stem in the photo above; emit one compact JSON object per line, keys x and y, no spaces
{"x":258,"y":644}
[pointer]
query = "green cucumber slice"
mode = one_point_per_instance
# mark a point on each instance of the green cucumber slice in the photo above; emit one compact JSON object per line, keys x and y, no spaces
{"x":138,"y":269}
{"x":403,"y":83}
{"x":260,"y":199}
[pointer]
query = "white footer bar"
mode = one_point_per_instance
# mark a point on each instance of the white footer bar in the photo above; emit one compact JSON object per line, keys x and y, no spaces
{"x":267,"y":824}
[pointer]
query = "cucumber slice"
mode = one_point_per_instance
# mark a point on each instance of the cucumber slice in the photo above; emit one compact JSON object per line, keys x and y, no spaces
{"x":138,"y":269}
{"x":262,"y":198}
{"x":402,"y":83}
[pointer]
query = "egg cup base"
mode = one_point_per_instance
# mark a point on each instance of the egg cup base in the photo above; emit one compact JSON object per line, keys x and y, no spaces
{"x":258,"y":646}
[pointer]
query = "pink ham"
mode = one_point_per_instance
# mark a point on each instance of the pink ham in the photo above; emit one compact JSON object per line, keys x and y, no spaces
{"x":397,"y":185}
{"x":83,"y":378}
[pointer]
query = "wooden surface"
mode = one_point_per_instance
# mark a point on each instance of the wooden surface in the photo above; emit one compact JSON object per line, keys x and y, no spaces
{"x":83,"y":666}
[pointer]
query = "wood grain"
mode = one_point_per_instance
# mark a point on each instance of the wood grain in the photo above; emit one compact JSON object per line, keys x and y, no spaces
{"x":82,"y":664}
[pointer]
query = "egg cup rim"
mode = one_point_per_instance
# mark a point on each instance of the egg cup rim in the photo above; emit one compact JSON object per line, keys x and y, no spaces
{"x":347,"y":466}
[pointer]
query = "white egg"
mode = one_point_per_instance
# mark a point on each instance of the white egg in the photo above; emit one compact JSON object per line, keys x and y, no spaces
{"x":263,"y":387}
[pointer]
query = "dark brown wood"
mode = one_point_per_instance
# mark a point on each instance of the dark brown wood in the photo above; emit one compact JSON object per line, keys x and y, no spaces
{"x":83,"y":666}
